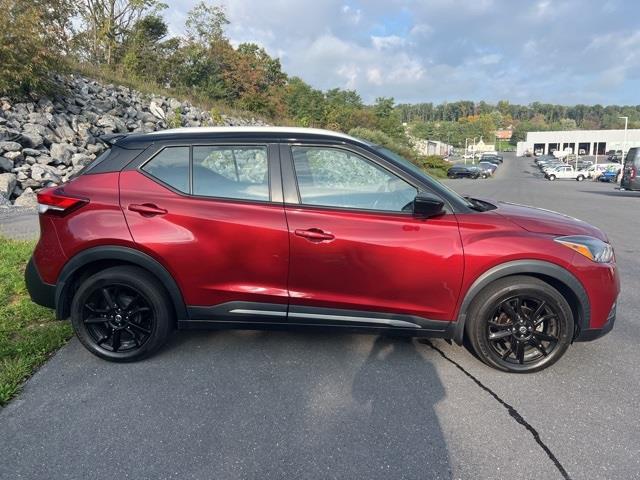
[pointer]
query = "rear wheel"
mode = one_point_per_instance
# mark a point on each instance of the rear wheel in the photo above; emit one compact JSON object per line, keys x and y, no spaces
{"x":520,"y":324}
{"x":121,"y":314}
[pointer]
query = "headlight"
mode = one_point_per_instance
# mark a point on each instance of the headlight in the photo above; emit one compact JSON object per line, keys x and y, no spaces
{"x":591,"y":247}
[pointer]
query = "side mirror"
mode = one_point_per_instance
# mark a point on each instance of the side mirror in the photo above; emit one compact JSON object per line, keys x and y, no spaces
{"x":426,"y":206}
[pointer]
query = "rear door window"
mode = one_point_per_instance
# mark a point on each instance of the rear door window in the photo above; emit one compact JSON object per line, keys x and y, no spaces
{"x":239,"y":172}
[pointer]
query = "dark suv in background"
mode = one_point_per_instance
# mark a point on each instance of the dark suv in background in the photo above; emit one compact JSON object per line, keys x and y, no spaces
{"x":630,"y":179}
{"x":299,"y":228}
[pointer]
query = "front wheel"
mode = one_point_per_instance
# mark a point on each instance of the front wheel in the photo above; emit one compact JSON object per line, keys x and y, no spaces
{"x":580,"y":178}
{"x":121,"y":314}
{"x":520,"y":324}
{"x":552,"y":177}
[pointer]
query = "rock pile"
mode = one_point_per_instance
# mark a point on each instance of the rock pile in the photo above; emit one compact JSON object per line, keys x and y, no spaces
{"x":43,"y":143}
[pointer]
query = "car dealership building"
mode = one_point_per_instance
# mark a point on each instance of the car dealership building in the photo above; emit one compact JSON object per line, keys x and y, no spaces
{"x":588,"y":141}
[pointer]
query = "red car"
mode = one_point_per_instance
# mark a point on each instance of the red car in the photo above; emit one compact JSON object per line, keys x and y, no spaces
{"x":297,"y":228}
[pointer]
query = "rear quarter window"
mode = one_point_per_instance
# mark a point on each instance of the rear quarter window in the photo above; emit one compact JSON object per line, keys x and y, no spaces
{"x":171,"y":166}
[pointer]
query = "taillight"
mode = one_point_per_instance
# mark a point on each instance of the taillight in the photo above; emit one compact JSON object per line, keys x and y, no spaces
{"x":54,"y":200}
{"x":633,"y":173}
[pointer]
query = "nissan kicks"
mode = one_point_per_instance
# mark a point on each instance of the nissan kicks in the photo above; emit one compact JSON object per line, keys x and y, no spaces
{"x":260,"y":228}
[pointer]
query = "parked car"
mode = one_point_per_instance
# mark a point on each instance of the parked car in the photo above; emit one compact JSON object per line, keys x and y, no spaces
{"x":552,"y":166}
{"x":566,"y":172}
{"x":610,"y":175}
{"x":488,"y":168}
{"x":544,"y":158}
{"x":487,"y":157}
{"x":630,"y":180}
{"x":272,"y":228}
{"x":594,"y":171}
{"x":464,"y":171}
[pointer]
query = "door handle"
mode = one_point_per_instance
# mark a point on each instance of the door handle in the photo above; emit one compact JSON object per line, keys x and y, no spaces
{"x":147,"y":209}
{"x":315,"y":235}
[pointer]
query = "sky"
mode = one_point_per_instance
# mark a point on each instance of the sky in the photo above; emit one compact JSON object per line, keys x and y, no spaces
{"x":555,"y":51}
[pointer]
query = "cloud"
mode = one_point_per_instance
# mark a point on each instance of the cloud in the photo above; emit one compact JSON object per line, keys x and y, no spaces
{"x":566,"y":51}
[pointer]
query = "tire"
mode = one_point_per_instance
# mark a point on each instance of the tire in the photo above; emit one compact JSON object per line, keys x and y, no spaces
{"x":580,"y":178}
{"x":551,"y":177}
{"x":127,"y":323}
{"x":520,"y":345}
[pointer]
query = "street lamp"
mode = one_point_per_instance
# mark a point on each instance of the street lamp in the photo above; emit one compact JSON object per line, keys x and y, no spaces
{"x":624,"y":146}
{"x":473,"y":159}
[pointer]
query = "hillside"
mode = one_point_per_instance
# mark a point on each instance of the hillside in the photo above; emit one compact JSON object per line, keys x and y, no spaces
{"x":43,"y":143}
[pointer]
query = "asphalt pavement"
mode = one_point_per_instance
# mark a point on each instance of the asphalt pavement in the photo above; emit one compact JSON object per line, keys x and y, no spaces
{"x":317,"y":405}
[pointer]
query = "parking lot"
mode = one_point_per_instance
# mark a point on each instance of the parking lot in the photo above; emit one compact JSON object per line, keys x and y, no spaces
{"x":310,"y":405}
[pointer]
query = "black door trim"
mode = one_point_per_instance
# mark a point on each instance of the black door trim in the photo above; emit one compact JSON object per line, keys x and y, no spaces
{"x":255,"y":315}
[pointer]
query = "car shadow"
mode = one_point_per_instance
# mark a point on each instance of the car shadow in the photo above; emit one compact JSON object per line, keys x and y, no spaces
{"x":319,"y":405}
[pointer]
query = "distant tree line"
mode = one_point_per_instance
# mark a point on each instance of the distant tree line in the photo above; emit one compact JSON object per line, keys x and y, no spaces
{"x":456,"y":120}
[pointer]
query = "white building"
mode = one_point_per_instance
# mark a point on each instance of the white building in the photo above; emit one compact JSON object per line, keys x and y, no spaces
{"x":590,"y":141}
{"x":431,"y":147}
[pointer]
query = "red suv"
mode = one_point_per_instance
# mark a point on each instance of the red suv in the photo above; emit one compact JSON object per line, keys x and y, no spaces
{"x":298,"y":228}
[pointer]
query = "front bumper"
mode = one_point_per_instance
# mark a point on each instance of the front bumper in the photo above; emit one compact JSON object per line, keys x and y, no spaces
{"x":41,"y":293}
{"x":595,"y":333}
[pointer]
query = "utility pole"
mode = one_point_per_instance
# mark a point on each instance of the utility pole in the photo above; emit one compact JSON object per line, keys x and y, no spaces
{"x":466,"y":151}
{"x":473,"y":160}
{"x":624,"y":146}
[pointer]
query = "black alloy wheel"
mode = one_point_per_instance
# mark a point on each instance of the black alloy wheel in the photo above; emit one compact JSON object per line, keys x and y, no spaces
{"x":121,"y":314}
{"x":523,"y":329}
{"x":520,"y":324}
{"x":118,"y":317}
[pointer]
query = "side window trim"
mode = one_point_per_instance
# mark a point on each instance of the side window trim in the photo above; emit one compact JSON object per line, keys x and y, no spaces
{"x":274,"y":169}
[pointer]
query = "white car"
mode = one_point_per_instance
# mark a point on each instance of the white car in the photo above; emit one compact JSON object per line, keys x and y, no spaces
{"x":566,"y":171}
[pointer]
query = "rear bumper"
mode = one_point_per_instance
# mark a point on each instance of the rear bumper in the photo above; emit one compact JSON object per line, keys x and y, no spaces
{"x":41,"y":293}
{"x":595,"y":333}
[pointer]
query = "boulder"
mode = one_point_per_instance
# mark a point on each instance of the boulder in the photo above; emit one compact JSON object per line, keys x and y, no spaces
{"x":80,"y":159}
{"x":61,"y":153}
{"x":31,"y":152}
{"x":156,"y":109}
{"x":7,"y":184}
{"x":14,"y":156}
{"x":6,"y":164}
{"x":8,"y":146}
{"x":45,"y":173}
{"x":112,"y":123}
{"x":28,"y":198}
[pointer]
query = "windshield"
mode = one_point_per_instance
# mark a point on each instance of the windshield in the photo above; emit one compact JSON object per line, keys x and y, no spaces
{"x":418,"y":172}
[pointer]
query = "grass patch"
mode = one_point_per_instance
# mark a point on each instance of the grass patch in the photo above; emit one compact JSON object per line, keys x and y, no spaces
{"x":29,"y":334}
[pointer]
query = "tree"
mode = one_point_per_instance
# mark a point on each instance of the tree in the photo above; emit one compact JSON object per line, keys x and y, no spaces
{"x":205,"y":24}
{"x":304,"y":103}
{"x":108,"y":22}
{"x":29,"y":54}
{"x":144,"y":55}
